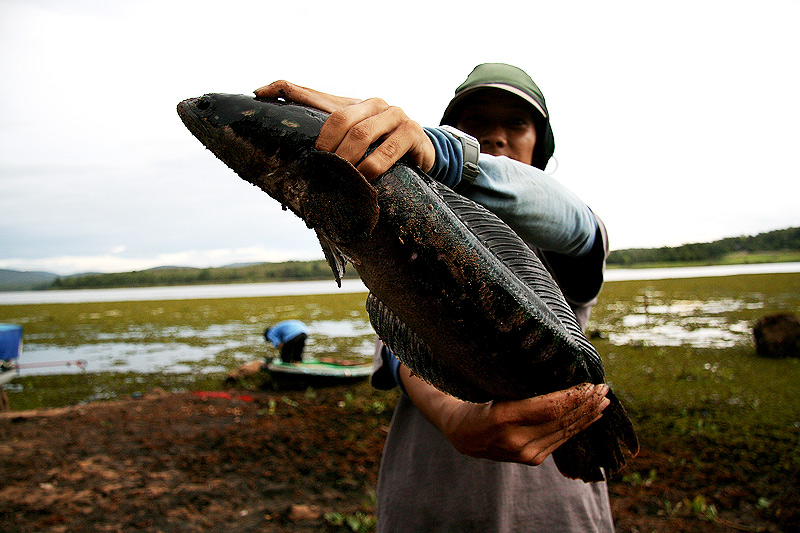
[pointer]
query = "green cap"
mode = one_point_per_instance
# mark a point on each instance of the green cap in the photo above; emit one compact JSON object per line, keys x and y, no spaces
{"x":517,"y":82}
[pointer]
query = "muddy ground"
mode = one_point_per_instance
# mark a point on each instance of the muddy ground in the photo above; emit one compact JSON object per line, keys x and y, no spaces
{"x":289,"y":461}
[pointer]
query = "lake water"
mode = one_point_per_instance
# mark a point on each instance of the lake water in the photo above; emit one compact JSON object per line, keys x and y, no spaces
{"x":187,"y":292}
{"x":626,"y":274}
{"x":249,"y":290}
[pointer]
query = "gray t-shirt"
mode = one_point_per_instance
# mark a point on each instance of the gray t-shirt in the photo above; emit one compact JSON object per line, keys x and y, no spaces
{"x":426,"y":485}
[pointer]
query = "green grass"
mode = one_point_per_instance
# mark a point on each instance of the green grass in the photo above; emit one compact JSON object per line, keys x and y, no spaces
{"x":61,"y":390}
{"x":157,"y":321}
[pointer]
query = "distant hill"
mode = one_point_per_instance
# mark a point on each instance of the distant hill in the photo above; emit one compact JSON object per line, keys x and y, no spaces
{"x":165,"y":276}
{"x":13,"y":280}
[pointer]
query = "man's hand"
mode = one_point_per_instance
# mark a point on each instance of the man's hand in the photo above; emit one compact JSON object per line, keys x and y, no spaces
{"x":354,"y":125}
{"x":520,"y":431}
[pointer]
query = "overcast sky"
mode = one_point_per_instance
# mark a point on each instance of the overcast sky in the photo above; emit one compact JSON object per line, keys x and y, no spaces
{"x":675,"y":121}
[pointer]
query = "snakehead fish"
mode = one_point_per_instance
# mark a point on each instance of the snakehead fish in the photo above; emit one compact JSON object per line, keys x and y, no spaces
{"x":454,"y":292}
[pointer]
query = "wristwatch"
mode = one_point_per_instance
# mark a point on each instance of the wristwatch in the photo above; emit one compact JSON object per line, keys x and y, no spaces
{"x":470,"y":148}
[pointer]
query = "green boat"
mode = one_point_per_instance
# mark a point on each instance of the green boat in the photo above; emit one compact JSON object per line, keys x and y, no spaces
{"x":314,"y":368}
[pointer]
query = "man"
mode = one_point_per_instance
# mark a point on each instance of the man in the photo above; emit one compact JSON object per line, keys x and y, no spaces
{"x":450,"y":465}
{"x":289,"y":336}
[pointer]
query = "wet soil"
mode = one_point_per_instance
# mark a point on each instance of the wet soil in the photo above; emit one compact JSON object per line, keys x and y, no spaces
{"x":289,"y":461}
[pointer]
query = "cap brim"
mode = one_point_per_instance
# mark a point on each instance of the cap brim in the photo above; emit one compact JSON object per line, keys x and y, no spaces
{"x":502,"y":86}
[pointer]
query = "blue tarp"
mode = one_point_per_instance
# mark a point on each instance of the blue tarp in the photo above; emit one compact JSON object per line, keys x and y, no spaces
{"x":10,"y":341}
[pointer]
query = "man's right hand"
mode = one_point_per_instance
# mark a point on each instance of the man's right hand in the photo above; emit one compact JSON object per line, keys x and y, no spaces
{"x":354,"y":125}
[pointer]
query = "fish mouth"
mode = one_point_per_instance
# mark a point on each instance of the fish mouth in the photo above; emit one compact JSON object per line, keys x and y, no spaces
{"x":193,"y":112}
{"x":191,"y":106}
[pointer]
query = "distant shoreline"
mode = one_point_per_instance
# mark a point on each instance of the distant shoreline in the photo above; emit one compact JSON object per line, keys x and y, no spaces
{"x":633,"y":274}
{"x":292,"y":288}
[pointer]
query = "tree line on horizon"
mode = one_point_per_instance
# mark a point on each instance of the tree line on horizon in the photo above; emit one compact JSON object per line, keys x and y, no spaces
{"x":773,"y":241}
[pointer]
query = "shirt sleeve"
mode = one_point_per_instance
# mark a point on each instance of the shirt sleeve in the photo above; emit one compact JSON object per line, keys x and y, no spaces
{"x":273,"y":337}
{"x":385,"y":368}
{"x":538,"y":208}
{"x":449,"y":157}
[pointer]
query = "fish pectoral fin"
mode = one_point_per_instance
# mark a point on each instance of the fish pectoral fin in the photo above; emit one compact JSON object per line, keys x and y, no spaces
{"x":338,"y":200}
{"x":337,"y":260}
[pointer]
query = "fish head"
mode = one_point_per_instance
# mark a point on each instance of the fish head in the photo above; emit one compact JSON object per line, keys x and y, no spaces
{"x":270,"y":143}
{"x":253,"y":136}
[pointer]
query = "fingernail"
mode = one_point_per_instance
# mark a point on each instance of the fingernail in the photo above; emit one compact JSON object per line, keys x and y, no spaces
{"x":601,"y":389}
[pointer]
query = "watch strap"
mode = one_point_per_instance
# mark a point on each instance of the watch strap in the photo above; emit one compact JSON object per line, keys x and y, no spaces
{"x":470,"y":149}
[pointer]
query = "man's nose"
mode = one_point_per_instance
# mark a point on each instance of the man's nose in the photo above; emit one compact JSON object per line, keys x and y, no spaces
{"x":494,"y":137}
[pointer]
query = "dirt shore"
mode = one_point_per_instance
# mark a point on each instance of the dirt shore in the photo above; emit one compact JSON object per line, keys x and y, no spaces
{"x":270,"y":461}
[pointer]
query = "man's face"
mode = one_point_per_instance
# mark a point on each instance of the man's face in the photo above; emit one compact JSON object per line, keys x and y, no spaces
{"x":501,"y":122}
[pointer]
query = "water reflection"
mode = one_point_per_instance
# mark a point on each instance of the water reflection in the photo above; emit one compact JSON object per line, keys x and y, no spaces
{"x":119,"y":357}
{"x":695,"y":323}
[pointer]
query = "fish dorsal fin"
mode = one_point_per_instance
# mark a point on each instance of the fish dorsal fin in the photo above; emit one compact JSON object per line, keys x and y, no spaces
{"x":415,"y":354}
{"x":336,"y":259}
{"x":512,"y":251}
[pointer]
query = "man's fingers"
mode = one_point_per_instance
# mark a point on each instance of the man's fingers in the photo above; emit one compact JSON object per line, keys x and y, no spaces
{"x":537,"y":451}
{"x":546,"y":438}
{"x":303,"y":95}
{"x":551,"y":419}
{"x":573,"y":422}
{"x":358,"y":124}
{"x":350,"y":132}
{"x":355,"y":125}
{"x":555,"y":405}
{"x":402,"y":140}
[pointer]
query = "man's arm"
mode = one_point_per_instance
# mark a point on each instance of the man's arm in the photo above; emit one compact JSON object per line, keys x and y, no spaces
{"x":538,"y":208}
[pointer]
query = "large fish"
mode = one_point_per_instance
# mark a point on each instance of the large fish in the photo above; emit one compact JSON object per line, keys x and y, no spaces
{"x":454,"y":292}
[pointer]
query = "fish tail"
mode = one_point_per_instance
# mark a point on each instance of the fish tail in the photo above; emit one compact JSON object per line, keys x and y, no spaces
{"x":596,"y":452}
{"x":621,"y":422}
